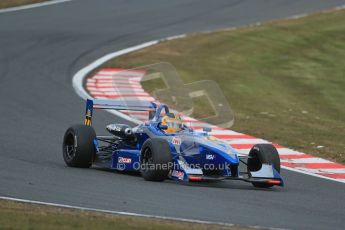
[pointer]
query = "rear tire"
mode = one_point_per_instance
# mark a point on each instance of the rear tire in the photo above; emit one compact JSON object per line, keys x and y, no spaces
{"x":263,"y":154}
{"x":155,"y":160}
{"x":78,"y":148}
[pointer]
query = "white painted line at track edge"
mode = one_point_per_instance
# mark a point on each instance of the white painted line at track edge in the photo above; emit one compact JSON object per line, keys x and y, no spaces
{"x":186,"y":220}
{"x":31,"y":6}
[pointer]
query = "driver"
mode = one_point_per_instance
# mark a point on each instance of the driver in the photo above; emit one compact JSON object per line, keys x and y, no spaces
{"x":173,"y":122}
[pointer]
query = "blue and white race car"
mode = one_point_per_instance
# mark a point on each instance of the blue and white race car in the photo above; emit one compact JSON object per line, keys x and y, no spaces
{"x":164,"y":147}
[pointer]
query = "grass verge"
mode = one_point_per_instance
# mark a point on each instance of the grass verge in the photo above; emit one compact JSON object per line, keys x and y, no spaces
{"x":16,"y":215}
{"x":285,"y":79}
{"x":13,"y":3}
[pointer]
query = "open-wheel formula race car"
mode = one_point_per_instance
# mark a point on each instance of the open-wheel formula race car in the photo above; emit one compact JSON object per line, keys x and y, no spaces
{"x":164,"y":147}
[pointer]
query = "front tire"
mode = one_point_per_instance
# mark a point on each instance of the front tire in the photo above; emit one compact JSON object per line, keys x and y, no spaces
{"x":78,"y":148}
{"x":155,"y":160}
{"x":263,"y":154}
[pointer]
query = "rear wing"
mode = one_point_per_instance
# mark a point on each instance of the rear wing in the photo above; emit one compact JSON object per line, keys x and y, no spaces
{"x":116,"y":105}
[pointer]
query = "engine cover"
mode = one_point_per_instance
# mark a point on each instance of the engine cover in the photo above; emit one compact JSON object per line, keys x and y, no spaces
{"x":121,"y":130}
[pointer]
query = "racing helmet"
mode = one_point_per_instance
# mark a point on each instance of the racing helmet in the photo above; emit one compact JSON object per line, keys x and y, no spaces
{"x":173,"y":122}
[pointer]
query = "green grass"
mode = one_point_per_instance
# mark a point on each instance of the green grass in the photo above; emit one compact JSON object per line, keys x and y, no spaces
{"x":285,"y":80}
{"x":13,"y":3}
{"x":15,"y":215}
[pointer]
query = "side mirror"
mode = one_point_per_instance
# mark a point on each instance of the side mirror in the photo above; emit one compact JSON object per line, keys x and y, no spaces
{"x":163,"y":127}
{"x":207,"y":129}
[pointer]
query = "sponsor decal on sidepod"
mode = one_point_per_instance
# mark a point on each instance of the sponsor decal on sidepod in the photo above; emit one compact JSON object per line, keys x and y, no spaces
{"x":124,"y":160}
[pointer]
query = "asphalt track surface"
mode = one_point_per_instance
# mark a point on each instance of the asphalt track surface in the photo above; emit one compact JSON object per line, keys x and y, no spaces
{"x":41,"y":49}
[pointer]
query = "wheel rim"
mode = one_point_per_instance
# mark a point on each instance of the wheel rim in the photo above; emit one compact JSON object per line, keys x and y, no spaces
{"x":70,"y":147}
